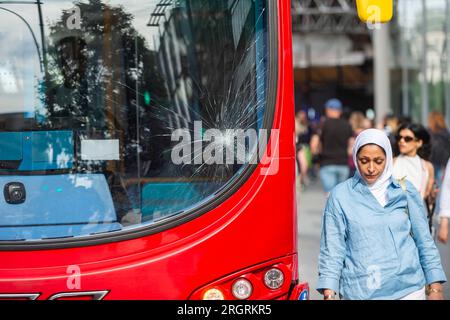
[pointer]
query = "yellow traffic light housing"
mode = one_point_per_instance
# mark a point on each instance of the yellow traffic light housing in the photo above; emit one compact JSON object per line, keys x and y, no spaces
{"x":374,"y":11}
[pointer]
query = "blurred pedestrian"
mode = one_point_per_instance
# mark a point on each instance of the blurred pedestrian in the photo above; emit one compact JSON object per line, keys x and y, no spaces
{"x":304,"y":129}
{"x":403,"y":120}
{"x":375,"y":242}
{"x":440,"y":149}
{"x":359,"y":123}
{"x":303,"y":133}
{"x":444,"y":208}
{"x":412,"y":163}
{"x":332,"y":146}
{"x":391,"y":125}
{"x":440,"y":144}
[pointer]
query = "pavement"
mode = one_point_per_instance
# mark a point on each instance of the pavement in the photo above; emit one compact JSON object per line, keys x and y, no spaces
{"x":310,"y":205}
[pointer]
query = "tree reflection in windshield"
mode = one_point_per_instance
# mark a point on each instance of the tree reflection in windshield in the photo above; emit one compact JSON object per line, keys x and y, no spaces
{"x":120,"y":94}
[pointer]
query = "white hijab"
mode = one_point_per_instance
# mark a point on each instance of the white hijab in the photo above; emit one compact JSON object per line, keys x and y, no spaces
{"x":378,"y":137}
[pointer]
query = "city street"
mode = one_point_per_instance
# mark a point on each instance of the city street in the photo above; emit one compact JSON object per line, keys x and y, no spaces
{"x":310,"y":204}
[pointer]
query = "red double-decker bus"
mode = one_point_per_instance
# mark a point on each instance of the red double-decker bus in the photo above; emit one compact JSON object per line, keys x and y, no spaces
{"x":147,"y":150}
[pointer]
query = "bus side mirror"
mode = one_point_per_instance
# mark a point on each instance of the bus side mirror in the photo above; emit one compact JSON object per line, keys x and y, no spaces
{"x":374,"y":11}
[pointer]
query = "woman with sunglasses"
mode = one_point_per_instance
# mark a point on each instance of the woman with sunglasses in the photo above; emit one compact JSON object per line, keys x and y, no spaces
{"x":375,"y":242}
{"x":414,"y":145}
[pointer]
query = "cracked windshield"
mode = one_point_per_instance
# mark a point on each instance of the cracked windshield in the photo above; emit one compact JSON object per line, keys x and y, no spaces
{"x":121,"y":114}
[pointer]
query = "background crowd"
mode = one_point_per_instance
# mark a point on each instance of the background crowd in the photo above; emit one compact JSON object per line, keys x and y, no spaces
{"x":421,"y":154}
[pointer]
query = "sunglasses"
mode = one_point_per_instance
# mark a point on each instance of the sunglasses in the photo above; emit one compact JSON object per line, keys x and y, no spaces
{"x":407,"y":139}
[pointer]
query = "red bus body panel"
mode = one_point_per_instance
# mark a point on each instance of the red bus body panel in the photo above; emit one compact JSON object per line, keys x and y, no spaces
{"x":254,"y":227}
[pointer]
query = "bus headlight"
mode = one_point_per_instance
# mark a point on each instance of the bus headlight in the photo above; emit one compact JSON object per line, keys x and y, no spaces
{"x":274,"y":278}
{"x":242,"y":289}
{"x":213,"y":294}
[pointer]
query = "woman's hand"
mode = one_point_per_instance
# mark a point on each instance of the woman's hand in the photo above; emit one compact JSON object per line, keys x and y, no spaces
{"x":435,"y":292}
{"x":436,"y":296}
{"x":329,"y":294}
{"x":443,"y":231}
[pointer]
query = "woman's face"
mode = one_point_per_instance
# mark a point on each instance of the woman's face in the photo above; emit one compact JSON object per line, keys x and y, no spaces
{"x":371,"y":161}
{"x":408,"y":143}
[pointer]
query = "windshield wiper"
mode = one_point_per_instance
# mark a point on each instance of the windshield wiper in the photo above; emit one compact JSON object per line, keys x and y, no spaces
{"x":10,"y":164}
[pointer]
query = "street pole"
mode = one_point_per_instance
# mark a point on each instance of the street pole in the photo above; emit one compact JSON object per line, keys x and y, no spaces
{"x":41,"y":27}
{"x":424,"y":83}
{"x":32,"y":34}
{"x":382,"y":72}
{"x":447,"y":41}
{"x":138,"y":125}
{"x":405,"y":64}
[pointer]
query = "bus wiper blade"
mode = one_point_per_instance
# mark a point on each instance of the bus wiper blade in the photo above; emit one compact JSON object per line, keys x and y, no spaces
{"x":57,"y":237}
{"x":103,"y":232}
{"x":10,"y":164}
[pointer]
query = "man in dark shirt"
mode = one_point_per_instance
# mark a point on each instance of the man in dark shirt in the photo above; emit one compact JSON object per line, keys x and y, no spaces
{"x":332,"y":145}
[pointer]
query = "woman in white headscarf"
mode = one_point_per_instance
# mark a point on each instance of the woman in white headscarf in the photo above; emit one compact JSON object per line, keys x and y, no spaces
{"x":375,"y":241}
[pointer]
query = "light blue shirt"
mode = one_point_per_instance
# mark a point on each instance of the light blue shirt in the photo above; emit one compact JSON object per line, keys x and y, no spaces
{"x":367,"y":251}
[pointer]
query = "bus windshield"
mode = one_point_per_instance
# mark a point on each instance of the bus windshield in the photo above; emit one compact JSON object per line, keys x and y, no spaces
{"x":117,"y":115}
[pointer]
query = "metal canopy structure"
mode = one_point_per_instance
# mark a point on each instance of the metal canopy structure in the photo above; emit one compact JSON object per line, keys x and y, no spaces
{"x":326,"y":16}
{"x":333,"y":53}
{"x":159,"y":12}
